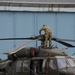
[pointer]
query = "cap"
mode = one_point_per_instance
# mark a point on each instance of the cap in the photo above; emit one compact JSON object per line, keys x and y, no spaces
{"x":44,"y":25}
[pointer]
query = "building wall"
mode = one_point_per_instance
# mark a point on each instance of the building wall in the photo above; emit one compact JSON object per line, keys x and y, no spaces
{"x":27,"y":24}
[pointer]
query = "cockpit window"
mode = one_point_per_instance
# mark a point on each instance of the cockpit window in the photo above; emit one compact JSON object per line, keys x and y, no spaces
{"x":25,"y":66}
{"x":52,"y":64}
{"x":18,"y":66}
{"x":71,"y":61}
{"x":62,"y":63}
{"x":66,"y":62}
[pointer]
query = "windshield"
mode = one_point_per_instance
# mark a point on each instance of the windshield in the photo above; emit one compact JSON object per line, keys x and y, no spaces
{"x":71,"y":61}
{"x":63,"y":63}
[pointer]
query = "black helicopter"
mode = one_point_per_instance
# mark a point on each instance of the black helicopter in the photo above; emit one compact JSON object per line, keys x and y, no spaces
{"x":38,"y":61}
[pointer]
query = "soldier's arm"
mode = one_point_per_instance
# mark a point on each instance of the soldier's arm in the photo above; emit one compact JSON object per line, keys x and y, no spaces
{"x":41,"y":30}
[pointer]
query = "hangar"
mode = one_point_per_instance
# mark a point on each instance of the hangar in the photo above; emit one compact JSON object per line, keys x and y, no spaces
{"x":23,"y":18}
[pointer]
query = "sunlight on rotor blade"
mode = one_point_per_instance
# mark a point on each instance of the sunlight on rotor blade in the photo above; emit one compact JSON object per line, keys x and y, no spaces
{"x":20,"y":47}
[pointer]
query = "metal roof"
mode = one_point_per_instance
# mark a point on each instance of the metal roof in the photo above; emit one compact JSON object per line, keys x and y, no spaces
{"x":38,"y":3}
{"x":41,"y":1}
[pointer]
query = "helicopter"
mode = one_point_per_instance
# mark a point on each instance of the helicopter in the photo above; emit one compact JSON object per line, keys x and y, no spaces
{"x":38,"y":60}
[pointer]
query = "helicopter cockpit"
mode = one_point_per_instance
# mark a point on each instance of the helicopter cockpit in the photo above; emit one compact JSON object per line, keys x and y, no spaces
{"x":65,"y":62}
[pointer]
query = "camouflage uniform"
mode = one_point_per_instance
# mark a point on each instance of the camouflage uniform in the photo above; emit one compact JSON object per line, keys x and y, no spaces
{"x":48,"y":35}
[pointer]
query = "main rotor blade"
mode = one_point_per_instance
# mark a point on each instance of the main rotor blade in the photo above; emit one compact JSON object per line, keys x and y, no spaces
{"x":62,"y":42}
{"x":19,"y":48}
{"x":39,"y":37}
{"x":42,"y":38}
{"x":66,"y":40}
{"x":31,"y":38}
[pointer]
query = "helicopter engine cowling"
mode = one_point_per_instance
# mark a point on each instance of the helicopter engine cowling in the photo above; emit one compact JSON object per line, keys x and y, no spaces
{"x":24,"y":52}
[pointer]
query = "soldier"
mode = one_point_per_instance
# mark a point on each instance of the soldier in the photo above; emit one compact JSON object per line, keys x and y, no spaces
{"x":48,"y":35}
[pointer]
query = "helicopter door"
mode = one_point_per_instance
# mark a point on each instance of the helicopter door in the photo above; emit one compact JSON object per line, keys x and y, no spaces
{"x":52,"y":67}
{"x":26,"y":67}
{"x":22,"y":67}
{"x":49,"y":67}
{"x":33,"y":67}
{"x":36,"y":67}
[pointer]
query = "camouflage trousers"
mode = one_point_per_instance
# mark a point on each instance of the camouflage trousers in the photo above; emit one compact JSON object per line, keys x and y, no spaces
{"x":48,"y":36}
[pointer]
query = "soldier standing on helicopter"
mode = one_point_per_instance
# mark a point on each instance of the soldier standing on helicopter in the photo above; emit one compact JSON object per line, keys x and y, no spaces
{"x":48,"y":35}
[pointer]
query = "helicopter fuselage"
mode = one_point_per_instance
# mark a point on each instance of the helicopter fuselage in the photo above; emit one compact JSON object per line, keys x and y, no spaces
{"x":58,"y":65}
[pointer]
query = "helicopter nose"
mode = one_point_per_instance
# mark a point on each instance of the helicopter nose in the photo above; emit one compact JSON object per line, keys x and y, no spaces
{"x":68,"y":71}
